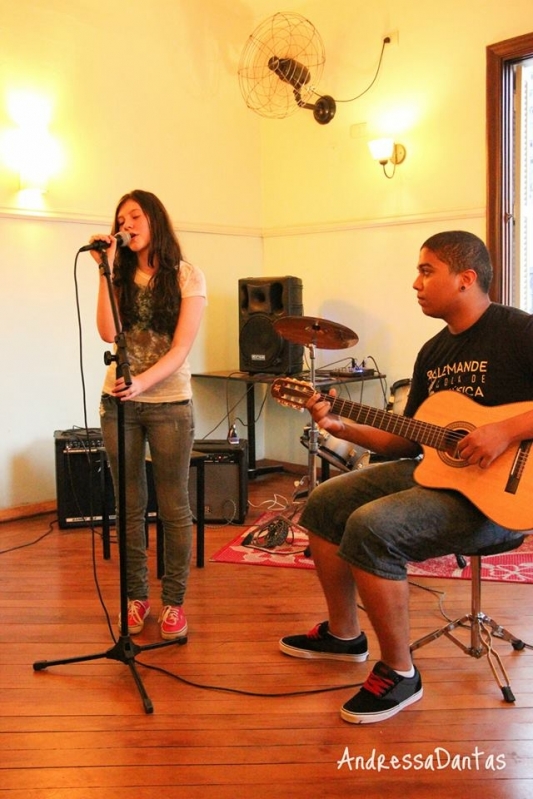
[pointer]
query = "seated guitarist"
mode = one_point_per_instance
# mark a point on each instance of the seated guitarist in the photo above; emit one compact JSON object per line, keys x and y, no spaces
{"x":365,"y":526}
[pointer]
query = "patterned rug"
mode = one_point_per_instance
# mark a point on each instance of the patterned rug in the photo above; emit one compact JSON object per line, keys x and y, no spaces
{"x":276,"y":540}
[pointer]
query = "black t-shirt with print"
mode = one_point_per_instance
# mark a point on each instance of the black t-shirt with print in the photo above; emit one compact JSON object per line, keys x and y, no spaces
{"x":491,"y":362}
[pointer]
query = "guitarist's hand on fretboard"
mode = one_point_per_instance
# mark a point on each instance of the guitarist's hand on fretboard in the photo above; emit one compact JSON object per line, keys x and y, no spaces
{"x":320,"y":409}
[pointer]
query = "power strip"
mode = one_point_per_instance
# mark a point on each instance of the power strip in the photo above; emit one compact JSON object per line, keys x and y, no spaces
{"x":346,"y":371}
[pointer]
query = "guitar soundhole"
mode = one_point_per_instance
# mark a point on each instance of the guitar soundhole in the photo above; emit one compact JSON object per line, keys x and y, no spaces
{"x":448,"y":454}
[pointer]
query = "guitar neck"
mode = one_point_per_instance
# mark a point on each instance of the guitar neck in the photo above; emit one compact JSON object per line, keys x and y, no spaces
{"x":422,"y":432}
{"x":502,"y":492}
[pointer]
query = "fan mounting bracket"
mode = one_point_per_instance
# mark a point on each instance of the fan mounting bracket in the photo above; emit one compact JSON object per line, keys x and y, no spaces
{"x":324,"y":109}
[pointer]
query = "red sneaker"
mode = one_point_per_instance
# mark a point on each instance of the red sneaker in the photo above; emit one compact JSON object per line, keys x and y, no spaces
{"x":138,"y":610}
{"x":173,"y":622}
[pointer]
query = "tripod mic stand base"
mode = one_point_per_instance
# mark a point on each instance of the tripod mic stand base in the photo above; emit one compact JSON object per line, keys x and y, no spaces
{"x":124,"y":651}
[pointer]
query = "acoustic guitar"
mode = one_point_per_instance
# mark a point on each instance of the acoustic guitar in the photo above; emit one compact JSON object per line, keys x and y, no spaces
{"x":503,"y":491}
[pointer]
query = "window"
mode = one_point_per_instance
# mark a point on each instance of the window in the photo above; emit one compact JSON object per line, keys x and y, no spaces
{"x":510,"y":169}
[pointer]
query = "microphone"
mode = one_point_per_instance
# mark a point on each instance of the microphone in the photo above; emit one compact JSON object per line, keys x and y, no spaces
{"x":123,"y":239}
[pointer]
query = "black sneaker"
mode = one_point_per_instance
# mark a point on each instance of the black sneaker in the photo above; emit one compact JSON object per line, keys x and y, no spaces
{"x":383,"y":695}
{"x":320,"y":644}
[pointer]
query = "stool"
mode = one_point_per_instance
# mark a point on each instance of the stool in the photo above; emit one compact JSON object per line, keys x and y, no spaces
{"x":198,"y":460}
{"x":482,"y":628}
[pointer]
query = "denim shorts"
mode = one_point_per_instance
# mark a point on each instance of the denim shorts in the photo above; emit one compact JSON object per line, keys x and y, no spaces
{"x":380,"y":519}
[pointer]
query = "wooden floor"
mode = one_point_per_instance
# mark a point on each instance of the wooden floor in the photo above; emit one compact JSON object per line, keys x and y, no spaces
{"x":233,"y":717}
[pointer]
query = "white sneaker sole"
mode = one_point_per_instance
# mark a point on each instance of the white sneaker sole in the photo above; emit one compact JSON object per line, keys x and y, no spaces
{"x":309,"y":654}
{"x":172,"y":636}
{"x":370,"y":718}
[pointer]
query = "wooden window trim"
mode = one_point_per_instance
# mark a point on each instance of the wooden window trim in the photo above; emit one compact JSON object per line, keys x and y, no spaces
{"x":499,"y":156}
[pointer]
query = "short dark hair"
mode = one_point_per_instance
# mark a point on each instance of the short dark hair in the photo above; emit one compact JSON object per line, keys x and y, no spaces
{"x":462,"y":250}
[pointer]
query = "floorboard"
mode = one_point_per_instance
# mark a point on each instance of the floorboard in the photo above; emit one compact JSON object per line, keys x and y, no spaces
{"x":232,"y":715}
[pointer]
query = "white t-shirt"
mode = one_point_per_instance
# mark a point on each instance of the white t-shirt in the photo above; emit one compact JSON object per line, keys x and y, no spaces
{"x":145,"y":347}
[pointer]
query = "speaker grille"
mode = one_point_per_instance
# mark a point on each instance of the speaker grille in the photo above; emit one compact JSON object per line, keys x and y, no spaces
{"x":226,"y":480}
{"x":259,"y":342}
{"x":261,"y":302}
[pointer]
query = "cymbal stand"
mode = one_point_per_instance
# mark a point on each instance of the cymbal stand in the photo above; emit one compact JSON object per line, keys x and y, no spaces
{"x":313,"y":332}
{"x":281,"y":525}
{"x":311,"y":477}
{"x":313,"y":429}
{"x":124,"y":650}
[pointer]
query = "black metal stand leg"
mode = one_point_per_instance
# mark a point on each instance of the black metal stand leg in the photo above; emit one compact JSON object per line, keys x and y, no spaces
{"x":200,"y":512}
{"x":481,"y":628}
{"x":124,"y":651}
{"x":250,"y":418}
{"x":106,"y":533}
{"x":253,"y":469}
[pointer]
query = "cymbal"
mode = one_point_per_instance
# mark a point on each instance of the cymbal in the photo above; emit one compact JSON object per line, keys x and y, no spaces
{"x":309,"y":330}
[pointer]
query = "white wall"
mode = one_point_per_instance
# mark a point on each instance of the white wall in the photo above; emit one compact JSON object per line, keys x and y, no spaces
{"x":144,"y":96}
{"x":147,"y":96}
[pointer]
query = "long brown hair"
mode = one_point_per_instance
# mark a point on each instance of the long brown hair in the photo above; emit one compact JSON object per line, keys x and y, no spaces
{"x":165,"y":251}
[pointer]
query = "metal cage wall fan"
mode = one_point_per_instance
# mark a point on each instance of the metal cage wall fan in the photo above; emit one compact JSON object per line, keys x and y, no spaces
{"x":280,"y":67}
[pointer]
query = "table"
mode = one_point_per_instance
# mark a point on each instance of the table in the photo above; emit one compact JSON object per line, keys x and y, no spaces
{"x":251,"y":380}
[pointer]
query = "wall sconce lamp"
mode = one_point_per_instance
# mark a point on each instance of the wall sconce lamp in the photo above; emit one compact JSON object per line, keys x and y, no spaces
{"x":386,"y":151}
{"x":28,"y":148}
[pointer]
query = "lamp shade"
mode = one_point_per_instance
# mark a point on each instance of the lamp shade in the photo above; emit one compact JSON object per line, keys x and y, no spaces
{"x":381,"y":149}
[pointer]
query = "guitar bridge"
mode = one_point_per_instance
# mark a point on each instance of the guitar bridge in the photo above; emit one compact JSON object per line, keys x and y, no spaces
{"x":517,"y":469}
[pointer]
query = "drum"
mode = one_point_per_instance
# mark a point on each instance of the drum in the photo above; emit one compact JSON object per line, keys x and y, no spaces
{"x":343,"y":455}
{"x":399,"y":393}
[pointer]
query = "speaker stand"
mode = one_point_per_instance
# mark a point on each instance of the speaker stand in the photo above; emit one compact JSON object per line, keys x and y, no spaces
{"x":253,"y":469}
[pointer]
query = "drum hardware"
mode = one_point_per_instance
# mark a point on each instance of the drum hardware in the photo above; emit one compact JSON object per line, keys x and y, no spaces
{"x":341,"y":454}
{"x":319,"y":333}
{"x":399,"y":394}
{"x":275,"y":533}
{"x":314,"y":333}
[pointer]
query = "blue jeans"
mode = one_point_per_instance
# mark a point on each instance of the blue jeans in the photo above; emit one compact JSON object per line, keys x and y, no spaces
{"x":381,"y":519}
{"x":168,"y":428}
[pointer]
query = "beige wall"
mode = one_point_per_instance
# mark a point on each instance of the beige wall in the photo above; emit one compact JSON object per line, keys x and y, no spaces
{"x":146,"y":95}
{"x":331,"y":217}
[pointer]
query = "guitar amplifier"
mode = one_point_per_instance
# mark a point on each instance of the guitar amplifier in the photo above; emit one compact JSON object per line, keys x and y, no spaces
{"x":226,"y":481}
{"x":83,"y":479}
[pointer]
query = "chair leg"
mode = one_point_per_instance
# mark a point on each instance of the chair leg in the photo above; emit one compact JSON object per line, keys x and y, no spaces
{"x":199,"y":463}
{"x":200,"y":512}
{"x":482,"y":630}
{"x":160,"y":548}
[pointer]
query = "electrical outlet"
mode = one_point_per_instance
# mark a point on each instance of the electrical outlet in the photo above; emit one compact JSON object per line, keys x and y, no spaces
{"x":393,"y":37}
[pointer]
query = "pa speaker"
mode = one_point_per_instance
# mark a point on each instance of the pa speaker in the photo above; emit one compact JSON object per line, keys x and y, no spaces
{"x":261,"y":302}
{"x":226,"y":481}
{"x":83,"y":479}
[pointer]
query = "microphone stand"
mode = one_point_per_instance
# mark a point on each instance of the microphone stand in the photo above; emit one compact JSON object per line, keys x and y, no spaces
{"x":124,"y":649}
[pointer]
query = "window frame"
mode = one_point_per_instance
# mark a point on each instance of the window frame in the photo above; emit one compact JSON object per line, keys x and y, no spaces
{"x":500,"y":90}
